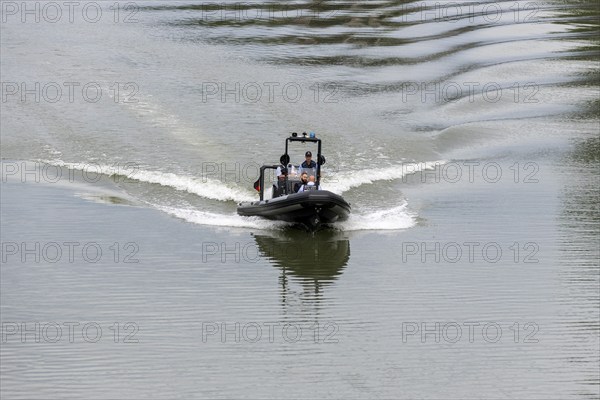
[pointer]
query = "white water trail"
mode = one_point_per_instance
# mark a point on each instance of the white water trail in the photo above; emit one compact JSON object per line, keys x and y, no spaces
{"x":395,"y":218}
{"x":344,"y":181}
{"x":204,"y":187}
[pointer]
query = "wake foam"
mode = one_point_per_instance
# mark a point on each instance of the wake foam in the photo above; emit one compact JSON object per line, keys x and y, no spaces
{"x":216,"y":190}
{"x":395,"y":218}
{"x":205,"y":187}
{"x":213,"y":219}
{"x":344,"y":181}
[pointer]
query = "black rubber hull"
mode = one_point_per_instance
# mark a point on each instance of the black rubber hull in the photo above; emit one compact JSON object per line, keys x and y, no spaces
{"x":311,"y":209}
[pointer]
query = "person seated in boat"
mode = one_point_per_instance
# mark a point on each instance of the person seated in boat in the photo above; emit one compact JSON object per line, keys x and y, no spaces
{"x":303,"y":181}
{"x":280,"y":188}
{"x":310,"y":185}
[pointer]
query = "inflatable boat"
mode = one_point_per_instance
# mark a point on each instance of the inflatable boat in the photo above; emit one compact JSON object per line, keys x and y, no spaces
{"x":297,"y":196}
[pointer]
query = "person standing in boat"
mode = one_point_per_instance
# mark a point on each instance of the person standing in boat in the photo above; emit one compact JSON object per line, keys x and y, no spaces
{"x":308,"y":166}
{"x":308,"y":162}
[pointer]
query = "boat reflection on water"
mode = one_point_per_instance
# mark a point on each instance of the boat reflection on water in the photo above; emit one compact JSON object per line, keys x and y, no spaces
{"x":313,"y":260}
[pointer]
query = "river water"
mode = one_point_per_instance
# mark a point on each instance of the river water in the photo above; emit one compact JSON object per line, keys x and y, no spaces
{"x":464,"y":134}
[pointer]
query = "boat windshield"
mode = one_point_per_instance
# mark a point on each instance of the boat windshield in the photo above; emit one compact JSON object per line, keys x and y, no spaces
{"x":309,"y":171}
{"x":293,"y":181}
{"x":296,"y":171}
